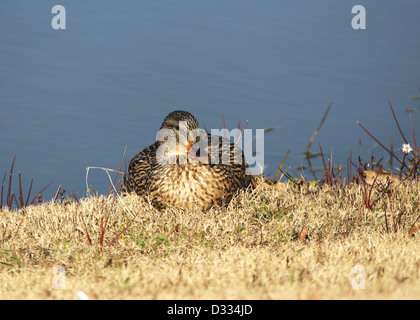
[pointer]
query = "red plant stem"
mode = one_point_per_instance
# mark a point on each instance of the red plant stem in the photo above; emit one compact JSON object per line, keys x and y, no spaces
{"x":56,"y":194}
{"x":391,"y":153}
{"x":102,"y":235}
{"x":396,"y":121}
{"x":33,"y":201}
{"x":119,"y":186}
{"x":331,"y":167}
{"x":323,"y":160}
{"x":416,"y":150}
{"x":20,"y":191}
{"x":75,"y":198}
{"x":16,"y":201}
{"x":363,"y":190}
{"x":104,"y":223}
{"x":237,"y":140}
{"x":9,"y":200}
{"x":291,"y":169}
{"x":86,"y":231}
{"x":118,"y":235}
{"x":349,"y":168}
{"x":29,"y":192}
{"x":2,"y":185}
{"x":204,"y":125}
{"x":224,"y":124}
{"x":17,"y":230}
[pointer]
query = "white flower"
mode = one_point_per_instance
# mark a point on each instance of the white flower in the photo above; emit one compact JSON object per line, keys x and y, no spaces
{"x":406,"y":148}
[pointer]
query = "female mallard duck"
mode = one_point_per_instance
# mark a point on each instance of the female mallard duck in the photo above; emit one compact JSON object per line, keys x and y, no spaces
{"x":187,"y":173}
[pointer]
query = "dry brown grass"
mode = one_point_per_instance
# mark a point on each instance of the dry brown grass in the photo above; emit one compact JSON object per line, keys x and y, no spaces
{"x":268,"y":244}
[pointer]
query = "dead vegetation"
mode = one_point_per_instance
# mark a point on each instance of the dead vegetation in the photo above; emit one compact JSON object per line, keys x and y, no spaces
{"x":268,"y":244}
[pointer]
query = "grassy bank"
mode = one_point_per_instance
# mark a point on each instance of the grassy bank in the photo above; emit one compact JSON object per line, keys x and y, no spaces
{"x":304,"y":243}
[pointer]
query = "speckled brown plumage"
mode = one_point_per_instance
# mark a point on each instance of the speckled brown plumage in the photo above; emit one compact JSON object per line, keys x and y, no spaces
{"x":185,"y":184}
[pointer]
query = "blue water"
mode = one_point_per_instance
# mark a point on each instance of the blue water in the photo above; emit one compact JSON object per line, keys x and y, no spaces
{"x":75,"y":98}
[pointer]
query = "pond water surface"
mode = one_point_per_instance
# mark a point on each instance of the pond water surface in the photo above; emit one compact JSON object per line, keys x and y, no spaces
{"x":75,"y":98}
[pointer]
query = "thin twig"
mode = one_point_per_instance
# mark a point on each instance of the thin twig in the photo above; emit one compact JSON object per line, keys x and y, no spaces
{"x":106,"y":170}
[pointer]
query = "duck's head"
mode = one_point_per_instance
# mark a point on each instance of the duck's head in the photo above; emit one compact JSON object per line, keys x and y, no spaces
{"x":181,"y":123}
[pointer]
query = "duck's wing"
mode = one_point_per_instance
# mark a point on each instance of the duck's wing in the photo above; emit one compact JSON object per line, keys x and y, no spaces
{"x":137,"y":177}
{"x":228,"y":161}
{"x":221,"y":150}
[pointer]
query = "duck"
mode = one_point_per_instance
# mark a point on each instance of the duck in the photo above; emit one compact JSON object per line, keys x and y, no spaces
{"x":187,"y":167}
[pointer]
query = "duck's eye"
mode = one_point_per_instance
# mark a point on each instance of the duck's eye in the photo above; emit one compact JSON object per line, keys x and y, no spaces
{"x":177,"y":128}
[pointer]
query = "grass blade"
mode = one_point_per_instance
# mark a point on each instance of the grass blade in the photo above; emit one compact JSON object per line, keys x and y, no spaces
{"x":318,"y":128}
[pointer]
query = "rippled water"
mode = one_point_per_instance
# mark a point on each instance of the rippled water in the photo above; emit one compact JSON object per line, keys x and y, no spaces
{"x":75,"y":98}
